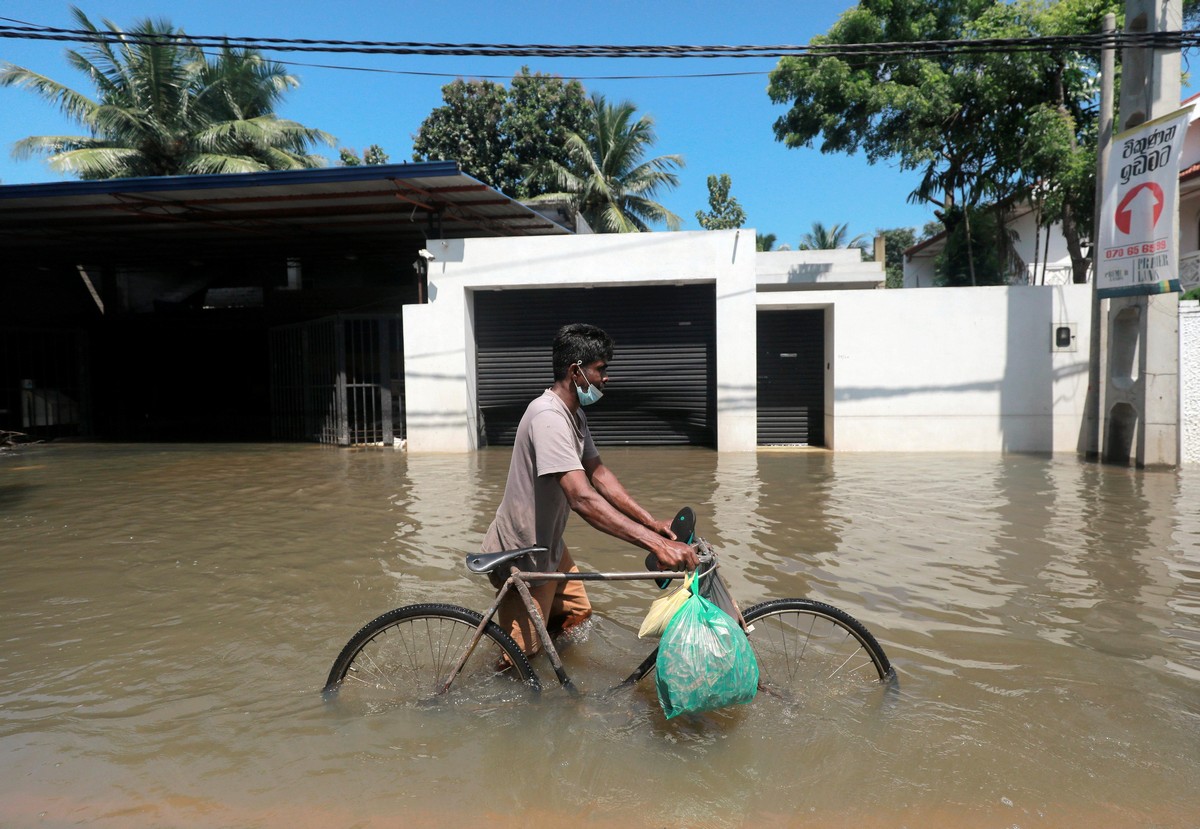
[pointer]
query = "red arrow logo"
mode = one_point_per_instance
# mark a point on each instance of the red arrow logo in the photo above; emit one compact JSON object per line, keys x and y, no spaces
{"x":1124,"y":217}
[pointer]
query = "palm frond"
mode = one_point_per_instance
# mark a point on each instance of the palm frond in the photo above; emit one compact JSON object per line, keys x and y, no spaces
{"x":168,"y":108}
{"x":75,"y":105}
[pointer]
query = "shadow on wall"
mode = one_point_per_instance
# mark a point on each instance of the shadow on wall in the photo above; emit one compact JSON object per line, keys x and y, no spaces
{"x":1008,"y":374}
{"x":880,"y":392}
{"x":808,"y":272}
{"x":1027,"y":387}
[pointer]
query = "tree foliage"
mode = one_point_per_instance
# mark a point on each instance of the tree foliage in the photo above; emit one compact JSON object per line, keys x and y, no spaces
{"x":979,"y":250}
{"x":829,"y":238}
{"x":372,"y":155}
{"x":724,"y":211}
{"x":606,"y":175}
{"x":163,"y":107}
{"x":895,"y":242}
{"x":764,"y":241}
{"x":979,"y":127}
{"x":501,"y":135}
{"x":1191,"y":14}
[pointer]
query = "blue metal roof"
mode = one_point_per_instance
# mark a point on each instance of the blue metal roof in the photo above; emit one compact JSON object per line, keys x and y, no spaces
{"x":270,"y":178}
{"x":361,"y":206}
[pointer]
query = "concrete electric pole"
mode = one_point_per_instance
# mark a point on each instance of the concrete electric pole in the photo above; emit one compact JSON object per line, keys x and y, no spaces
{"x":1139,"y":335}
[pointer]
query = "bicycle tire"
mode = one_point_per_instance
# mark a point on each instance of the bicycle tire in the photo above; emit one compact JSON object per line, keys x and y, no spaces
{"x":804,"y":646}
{"x":405,"y":654}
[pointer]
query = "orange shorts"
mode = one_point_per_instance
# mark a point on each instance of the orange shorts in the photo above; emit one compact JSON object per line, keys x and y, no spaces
{"x":563,"y":604}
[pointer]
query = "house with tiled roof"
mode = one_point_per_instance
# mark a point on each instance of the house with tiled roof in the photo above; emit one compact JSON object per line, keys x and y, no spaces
{"x":1042,"y":252}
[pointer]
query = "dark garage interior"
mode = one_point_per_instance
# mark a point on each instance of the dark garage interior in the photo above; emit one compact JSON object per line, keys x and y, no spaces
{"x":225,"y":308}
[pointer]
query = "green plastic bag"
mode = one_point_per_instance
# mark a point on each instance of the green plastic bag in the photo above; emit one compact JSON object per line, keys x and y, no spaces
{"x":704,"y":662}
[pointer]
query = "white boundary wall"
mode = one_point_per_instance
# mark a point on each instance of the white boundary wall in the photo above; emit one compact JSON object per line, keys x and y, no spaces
{"x":957,"y":369}
{"x":1189,"y":374}
{"x":439,"y":354}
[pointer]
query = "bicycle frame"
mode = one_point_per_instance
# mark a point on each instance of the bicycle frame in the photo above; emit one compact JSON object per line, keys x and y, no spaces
{"x":796,"y":630}
{"x":519,"y":580}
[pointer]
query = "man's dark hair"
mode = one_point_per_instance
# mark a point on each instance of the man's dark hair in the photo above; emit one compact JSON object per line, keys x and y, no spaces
{"x":579,"y":341}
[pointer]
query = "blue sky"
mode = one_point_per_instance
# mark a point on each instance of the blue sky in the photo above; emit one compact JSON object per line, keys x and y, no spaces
{"x":719,"y":125}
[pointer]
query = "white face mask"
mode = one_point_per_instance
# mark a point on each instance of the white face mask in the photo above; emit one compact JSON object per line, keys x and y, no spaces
{"x":593,"y":393}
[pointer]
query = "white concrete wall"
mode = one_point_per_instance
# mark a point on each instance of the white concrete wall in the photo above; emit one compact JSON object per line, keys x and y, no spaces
{"x":439,"y":336}
{"x":796,"y":269}
{"x":1189,"y":373}
{"x":919,"y":271}
{"x":1189,"y":218}
{"x":961,"y":369}
{"x":1191,"y":141}
{"x":1031,"y":246}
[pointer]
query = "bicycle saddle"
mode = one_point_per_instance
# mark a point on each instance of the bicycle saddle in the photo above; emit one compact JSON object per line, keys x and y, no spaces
{"x":487,"y":562}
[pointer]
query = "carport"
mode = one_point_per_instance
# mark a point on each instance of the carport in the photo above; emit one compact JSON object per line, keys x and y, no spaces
{"x":230,"y":307}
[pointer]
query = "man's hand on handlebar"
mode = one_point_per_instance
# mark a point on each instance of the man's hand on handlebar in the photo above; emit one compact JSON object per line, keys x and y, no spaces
{"x":663,"y":528}
{"x":675,"y":555}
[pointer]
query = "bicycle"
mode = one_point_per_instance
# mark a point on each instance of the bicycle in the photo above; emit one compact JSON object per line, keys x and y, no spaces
{"x":419,"y":652}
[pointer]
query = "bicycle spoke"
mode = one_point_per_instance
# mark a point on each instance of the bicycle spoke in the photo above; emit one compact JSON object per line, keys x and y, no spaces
{"x":407,"y":654}
{"x":806,"y":650}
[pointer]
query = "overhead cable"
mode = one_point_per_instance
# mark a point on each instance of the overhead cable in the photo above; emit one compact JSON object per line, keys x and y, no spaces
{"x":1187,"y":39}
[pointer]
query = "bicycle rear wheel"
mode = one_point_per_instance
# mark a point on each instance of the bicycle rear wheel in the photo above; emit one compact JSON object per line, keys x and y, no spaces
{"x":406,"y":654}
{"x":806,"y":647}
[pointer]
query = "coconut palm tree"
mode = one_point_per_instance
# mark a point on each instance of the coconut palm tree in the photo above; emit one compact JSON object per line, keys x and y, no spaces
{"x":165,"y":108}
{"x":831,"y":238}
{"x":605,"y":175}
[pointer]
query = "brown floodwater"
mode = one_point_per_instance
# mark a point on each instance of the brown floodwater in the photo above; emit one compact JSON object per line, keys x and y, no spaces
{"x":170,"y":614}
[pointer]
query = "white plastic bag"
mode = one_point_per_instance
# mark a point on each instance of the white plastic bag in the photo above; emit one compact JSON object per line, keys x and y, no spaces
{"x":664,"y":609}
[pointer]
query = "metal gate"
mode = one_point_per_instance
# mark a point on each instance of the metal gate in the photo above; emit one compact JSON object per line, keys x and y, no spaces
{"x":43,"y":382}
{"x":662,"y":377}
{"x":339,"y":380}
{"x":791,"y":378}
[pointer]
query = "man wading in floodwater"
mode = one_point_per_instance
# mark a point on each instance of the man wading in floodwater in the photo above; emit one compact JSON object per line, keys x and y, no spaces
{"x":555,"y":469}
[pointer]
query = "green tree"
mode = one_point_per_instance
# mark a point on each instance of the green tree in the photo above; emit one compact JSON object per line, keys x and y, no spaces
{"x":606,"y":175}
{"x":979,"y":127}
{"x":501,"y":135}
{"x":895,"y":242}
{"x":829,"y":238}
{"x":541,"y":111}
{"x":373,"y":154}
{"x":724,"y":212}
{"x":764,"y":241}
{"x":165,"y":108}
{"x":978,"y":250}
{"x":466,"y":129}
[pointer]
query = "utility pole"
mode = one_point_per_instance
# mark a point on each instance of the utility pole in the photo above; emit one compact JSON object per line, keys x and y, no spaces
{"x":1093,"y":414}
{"x":1139,"y":335}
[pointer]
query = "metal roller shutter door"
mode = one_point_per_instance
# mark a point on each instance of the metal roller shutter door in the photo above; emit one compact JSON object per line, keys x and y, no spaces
{"x":662,"y":379}
{"x":791,"y":378}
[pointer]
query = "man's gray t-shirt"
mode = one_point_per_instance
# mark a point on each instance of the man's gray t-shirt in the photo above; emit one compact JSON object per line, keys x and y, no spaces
{"x":534,"y":510}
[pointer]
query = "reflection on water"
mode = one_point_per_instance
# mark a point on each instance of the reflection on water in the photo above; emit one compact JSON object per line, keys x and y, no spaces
{"x":171,"y":612}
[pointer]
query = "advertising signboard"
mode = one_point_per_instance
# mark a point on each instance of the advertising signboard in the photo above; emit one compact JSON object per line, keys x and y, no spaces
{"x":1138,"y":241}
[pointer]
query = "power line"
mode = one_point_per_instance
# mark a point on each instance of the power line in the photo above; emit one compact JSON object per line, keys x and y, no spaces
{"x":1077,"y":43}
{"x":572,"y":77}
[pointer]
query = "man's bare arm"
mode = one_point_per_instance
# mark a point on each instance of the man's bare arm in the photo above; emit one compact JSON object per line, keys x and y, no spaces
{"x":606,"y":483}
{"x":596,"y":508}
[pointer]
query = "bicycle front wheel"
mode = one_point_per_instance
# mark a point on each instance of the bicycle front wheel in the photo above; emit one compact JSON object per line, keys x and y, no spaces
{"x":406,"y":654}
{"x":806,"y":648}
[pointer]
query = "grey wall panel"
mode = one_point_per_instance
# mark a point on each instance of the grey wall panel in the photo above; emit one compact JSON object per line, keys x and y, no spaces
{"x":662,"y":387}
